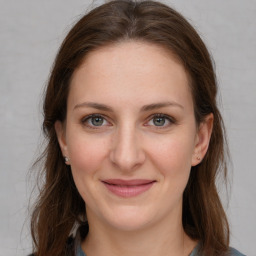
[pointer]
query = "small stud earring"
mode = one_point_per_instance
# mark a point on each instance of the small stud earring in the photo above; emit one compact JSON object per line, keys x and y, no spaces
{"x":198,"y":158}
{"x":66,"y":159}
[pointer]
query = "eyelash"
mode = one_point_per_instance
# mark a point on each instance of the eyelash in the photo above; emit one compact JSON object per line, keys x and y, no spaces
{"x":171,"y":120}
{"x":87,"y":118}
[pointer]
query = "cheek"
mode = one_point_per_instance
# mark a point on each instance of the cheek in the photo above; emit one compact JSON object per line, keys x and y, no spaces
{"x":86,"y":154}
{"x":174,"y":154}
{"x":172,"y":158}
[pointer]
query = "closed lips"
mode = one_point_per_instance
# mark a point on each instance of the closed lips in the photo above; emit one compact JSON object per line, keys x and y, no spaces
{"x":128,"y":188}
{"x":119,"y":182}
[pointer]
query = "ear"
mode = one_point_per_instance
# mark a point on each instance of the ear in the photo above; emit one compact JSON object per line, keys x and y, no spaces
{"x":202,"y":139}
{"x":61,"y":135}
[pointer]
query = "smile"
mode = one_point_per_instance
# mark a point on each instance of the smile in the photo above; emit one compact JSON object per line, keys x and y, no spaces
{"x":128,"y":188}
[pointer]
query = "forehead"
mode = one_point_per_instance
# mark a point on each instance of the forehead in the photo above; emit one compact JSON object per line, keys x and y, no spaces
{"x":135,"y":71}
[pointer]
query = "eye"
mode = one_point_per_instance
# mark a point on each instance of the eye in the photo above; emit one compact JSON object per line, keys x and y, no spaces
{"x":161,"y":120}
{"x":94,"y":121}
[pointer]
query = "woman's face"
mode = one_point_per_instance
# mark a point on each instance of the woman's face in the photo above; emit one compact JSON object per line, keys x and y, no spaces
{"x":131,"y":135}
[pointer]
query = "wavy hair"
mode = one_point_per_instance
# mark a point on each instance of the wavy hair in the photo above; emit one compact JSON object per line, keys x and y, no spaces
{"x":59,"y":207}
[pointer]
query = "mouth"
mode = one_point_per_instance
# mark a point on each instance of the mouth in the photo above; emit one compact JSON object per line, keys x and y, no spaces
{"x":128,"y":188}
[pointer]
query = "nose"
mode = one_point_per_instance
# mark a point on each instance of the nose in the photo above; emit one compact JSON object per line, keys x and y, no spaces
{"x":127,"y":152}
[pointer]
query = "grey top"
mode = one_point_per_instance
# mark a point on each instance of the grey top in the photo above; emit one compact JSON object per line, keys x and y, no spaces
{"x":233,"y":252}
{"x":79,"y":252}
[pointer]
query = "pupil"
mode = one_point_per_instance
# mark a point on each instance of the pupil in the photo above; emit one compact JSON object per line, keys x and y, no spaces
{"x":159,"y":121}
{"x":97,"y":121}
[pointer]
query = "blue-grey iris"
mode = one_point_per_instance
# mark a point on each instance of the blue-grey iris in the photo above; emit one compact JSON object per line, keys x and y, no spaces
{"x":97,"y":121}
{"x":159,"y":121}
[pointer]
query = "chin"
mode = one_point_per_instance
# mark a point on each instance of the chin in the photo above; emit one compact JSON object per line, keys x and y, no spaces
{"x":130,"y":225}
{"x":129,"y":220}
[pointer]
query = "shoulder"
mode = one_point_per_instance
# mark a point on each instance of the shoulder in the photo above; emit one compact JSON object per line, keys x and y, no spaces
{"x":73,"y":242}
{"x":234,"y":252}
{"x":231,"y":252}
{"x":69,"y":247}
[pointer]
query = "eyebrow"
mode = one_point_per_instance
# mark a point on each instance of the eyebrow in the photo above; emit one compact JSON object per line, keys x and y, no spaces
{"x":94,"y":105}
{"x":161,"y":105}
{"x":144,"y":108}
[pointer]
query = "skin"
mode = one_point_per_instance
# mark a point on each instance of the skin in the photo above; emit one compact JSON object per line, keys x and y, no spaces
{"x":128,"y":144}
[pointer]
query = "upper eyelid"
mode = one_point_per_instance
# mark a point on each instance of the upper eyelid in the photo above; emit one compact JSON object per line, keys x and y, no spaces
{"x":94,"y":115}
{"x":172,"y":119}
{"x":84,"y":119}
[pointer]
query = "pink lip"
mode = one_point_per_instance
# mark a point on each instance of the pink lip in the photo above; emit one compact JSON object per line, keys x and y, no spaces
{"x":128,"y":188}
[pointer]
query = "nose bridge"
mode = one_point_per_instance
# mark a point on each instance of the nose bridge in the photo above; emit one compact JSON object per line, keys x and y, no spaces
{"x":127,"y":151}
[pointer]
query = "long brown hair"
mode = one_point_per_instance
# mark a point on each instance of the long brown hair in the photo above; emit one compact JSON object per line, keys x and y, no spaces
{"x":59,"y":207}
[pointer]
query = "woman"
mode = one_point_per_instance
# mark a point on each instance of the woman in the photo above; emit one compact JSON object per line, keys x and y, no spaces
{"x":135,"y":140}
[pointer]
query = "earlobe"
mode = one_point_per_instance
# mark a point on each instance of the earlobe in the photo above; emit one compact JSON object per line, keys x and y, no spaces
{"x":203,"y":139}
{"x":60,"y":132}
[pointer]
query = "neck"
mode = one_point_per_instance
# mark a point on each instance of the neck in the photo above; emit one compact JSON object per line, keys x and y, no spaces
{"x":161,"y":239}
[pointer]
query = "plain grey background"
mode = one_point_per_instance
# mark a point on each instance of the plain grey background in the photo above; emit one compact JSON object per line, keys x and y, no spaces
{"x":31,"y":32}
